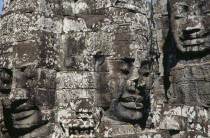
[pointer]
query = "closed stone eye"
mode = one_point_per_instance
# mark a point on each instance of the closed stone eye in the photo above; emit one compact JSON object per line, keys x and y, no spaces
{"x":146,"y":74}
{"x":180,"y":10}
{"x":207,"y":12}
{"x":125,"y":71}
{"x":6,"y":81}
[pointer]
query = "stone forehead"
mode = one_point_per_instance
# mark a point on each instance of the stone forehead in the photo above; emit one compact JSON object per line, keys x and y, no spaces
{"x":203,"y":5}
{"x":132,"y":1}
{"x":190,"y":1}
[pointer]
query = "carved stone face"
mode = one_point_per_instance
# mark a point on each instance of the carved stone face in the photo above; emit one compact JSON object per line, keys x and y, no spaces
{"x":31,"y":94}
{"x":190,"y":85}
{"x":5,"y":88}
{"x":84,"y":122}
{"x":5,"y":81}
{"x":126,"y":82}
{"x":132,"y":91}
{"x":190,"y":24}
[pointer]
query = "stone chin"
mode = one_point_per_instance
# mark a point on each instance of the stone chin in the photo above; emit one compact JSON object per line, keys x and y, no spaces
{"x":192,"y":45}
{"x":126,"y":112}
{"x":27,"y":119}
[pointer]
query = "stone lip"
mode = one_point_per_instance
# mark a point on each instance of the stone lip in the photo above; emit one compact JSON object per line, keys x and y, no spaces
{"x":132,"y":102}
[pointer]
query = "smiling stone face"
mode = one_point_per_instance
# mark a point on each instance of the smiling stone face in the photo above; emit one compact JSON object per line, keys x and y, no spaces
{"x":123,"y":74}
{"x":190,"y":24}
{"x":5,"y":88}
{"x":133,"y":89}
{"x":5,"y":81}
{"x":30,"y":95}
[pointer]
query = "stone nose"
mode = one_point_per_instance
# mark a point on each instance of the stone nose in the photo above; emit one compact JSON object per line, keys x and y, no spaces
{"x":7,"y":103}
{"x":133,"y":80}
{"x":193,"y":25}
{"x":141,"y":83}
{"x":18,"y":94}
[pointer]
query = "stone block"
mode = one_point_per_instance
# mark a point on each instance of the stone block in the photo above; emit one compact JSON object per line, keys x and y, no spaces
{"x":26,"y":53}
{"x":44,"y":97}
{"x":172,"y":122}
{"x":89,"y":43}
{"x":6,"y":55}
{"x":34,"y":78}
{"x":79,"y":63}
{"x":75,"y":80}
{"x":48,"y":114}
{"x":70,"y":97}
{"x":27,"y":22}
{"x":24,"y":6}
{"x":41,"y":52}
{"x":71,"y":7}
{"x":103,"y":98}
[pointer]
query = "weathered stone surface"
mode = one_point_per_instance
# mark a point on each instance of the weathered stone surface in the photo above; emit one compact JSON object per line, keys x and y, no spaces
{"x":185,"y":63}
{"x":75,"y":80}
{"x":42,"y":6}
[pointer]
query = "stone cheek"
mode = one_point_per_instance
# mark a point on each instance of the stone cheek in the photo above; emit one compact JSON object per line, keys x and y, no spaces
{"x":185,"y":68}
{"x":67,"y":62}
{"x":190,"y":84}
{"x":190,"y":25}
{"x":190,"y":87}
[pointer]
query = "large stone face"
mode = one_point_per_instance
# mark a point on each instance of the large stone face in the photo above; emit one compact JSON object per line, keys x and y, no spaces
{"x":186,"y":61}
{"x":30,"y":51}
{"x":190,"y":24}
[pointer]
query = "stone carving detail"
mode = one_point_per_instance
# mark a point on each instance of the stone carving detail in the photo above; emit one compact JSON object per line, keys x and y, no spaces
{"x":104,"y":68}
{"x":186,"y":57}
{"x":29,"y":50}
{"x":189,"y":23}
{"x":31,"y":96}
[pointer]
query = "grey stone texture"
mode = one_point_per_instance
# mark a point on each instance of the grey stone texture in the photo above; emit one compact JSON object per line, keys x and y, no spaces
{"x":185,"y":113}
{"x":104,"y":68}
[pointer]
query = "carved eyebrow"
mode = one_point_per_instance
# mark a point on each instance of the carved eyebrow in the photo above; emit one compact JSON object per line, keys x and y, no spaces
{"x":146,"y":63}
{"x":8,"y":71}
{"x":128,"y":60}
{"x":206,"y":11}
{"x":181,"y":4}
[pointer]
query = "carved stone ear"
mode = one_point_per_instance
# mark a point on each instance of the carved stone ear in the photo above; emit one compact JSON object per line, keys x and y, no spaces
{"x":5,"y":81}
{"x":117,"y":1}
{"x":99,"y":59}
{"x":68,"y":61}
